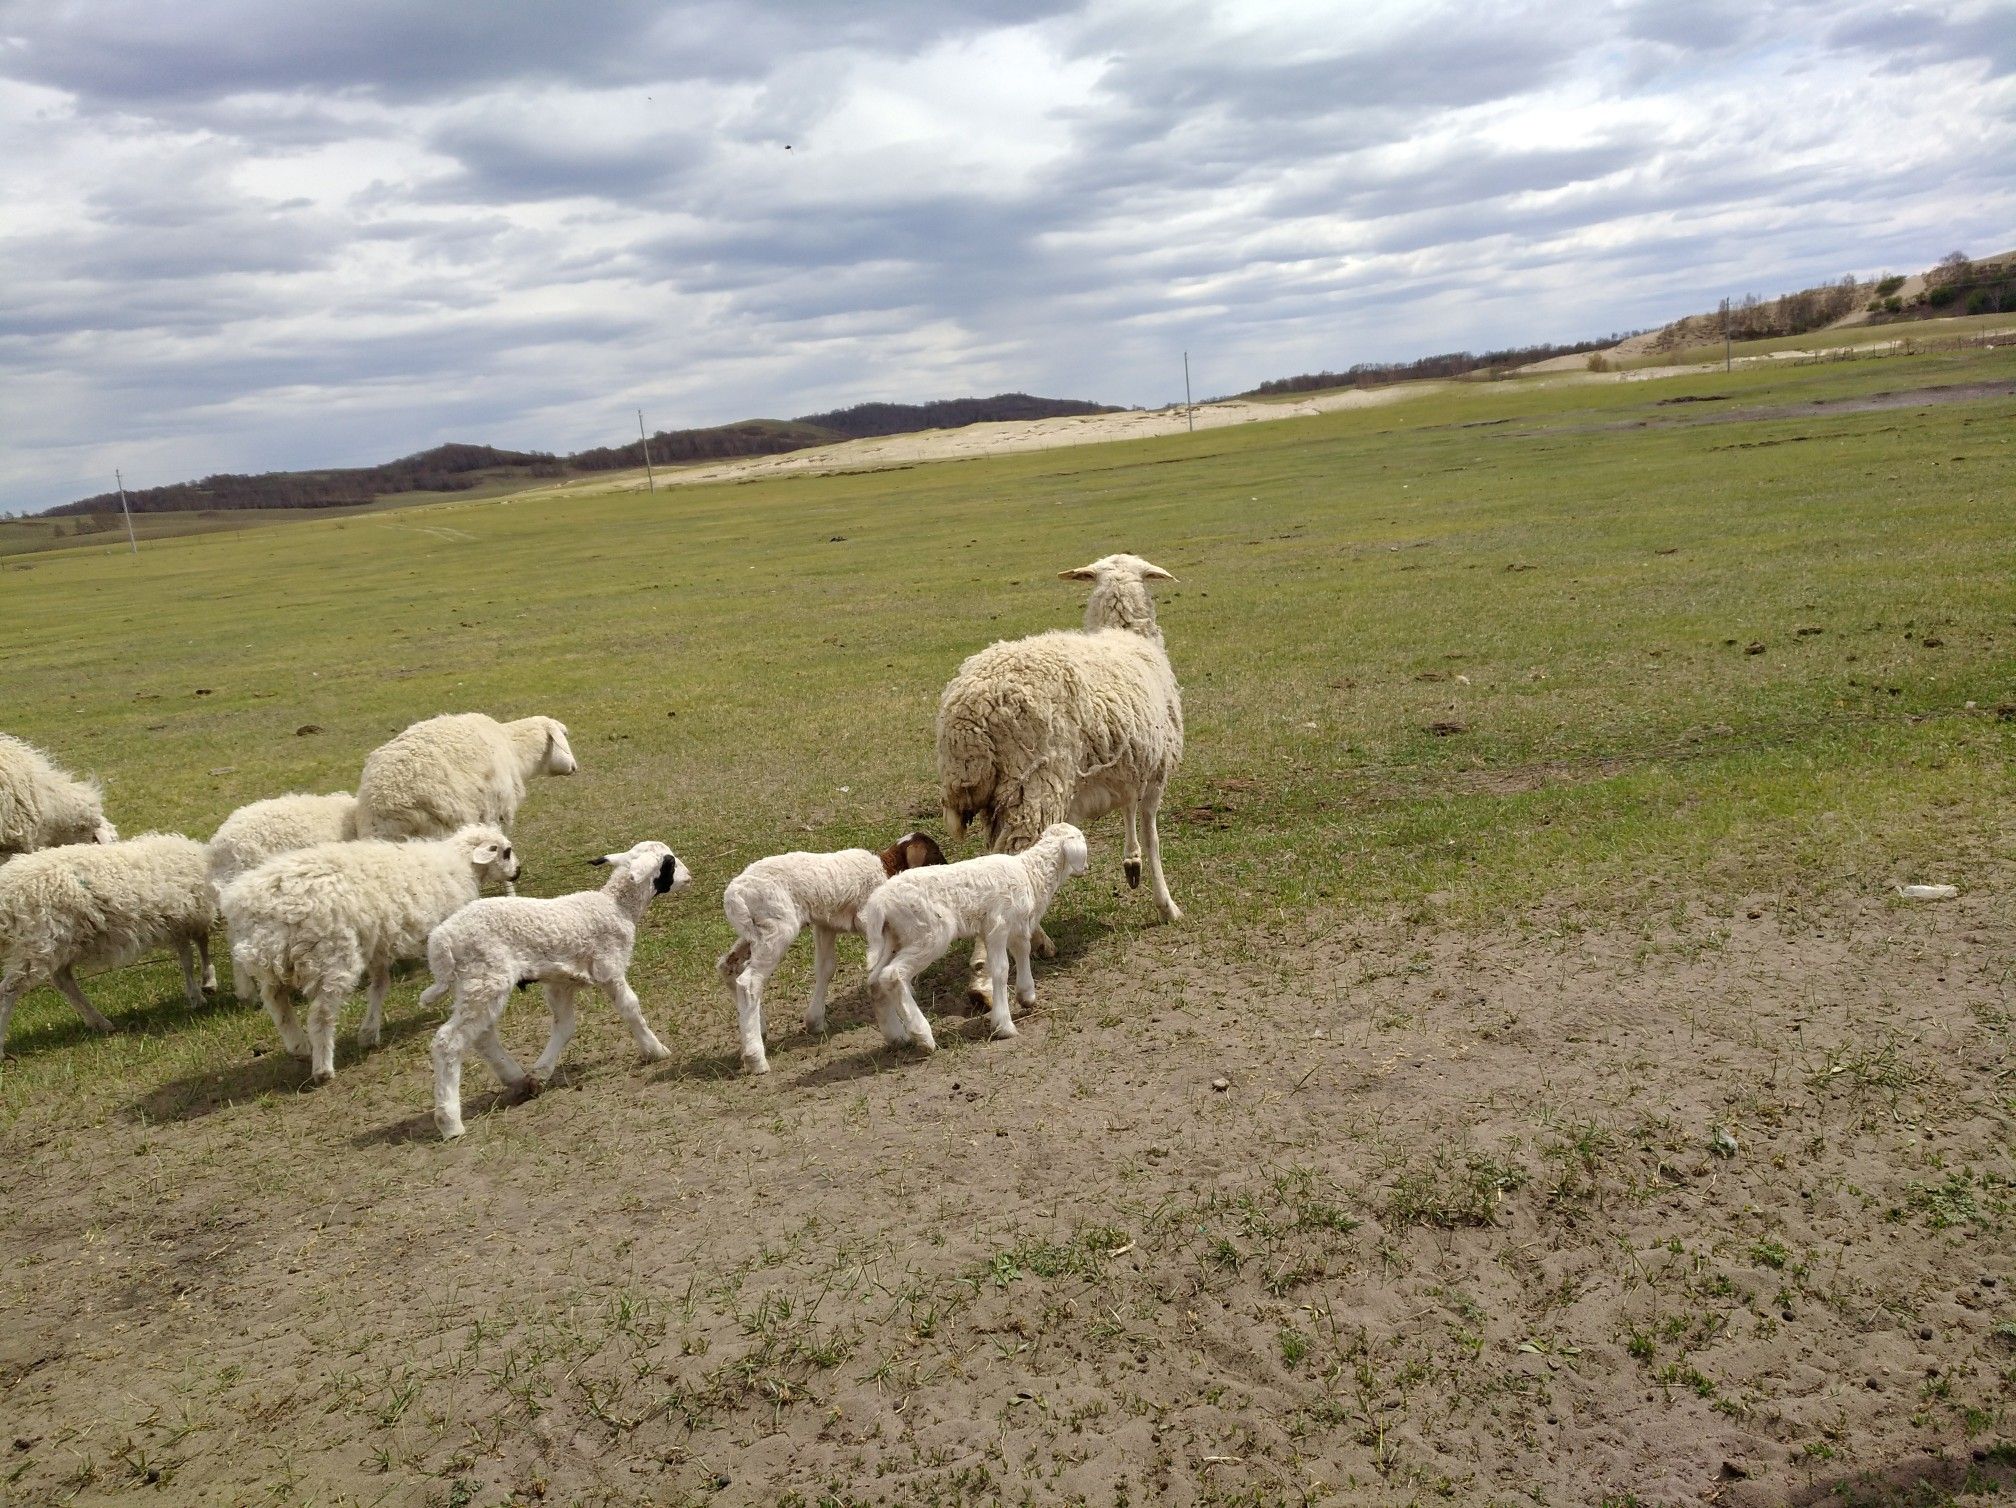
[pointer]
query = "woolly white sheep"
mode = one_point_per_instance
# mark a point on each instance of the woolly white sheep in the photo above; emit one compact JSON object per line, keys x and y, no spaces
{"x":999,"y":899}
{"x":449,"y":771}
{"x":773,"y":900}
{"x":1065,"y":726}
{"x":42,"y":806}
{"x":587,"y":938}
{"x":253,"y":834}
{"x":316,"y":920}
{"x":99,"y":905}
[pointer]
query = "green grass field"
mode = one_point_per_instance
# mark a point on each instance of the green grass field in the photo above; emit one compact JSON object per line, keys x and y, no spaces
{"x":1507,"y":663}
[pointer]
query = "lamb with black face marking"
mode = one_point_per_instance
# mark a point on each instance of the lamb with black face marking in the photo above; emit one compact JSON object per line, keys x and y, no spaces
{"x":582,"y":939}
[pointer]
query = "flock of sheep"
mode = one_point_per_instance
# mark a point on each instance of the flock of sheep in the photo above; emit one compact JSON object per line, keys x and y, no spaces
{"x":321,"y":894}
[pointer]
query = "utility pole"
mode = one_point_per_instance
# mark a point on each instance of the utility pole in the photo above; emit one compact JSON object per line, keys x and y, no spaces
{"x":1189,"y":408}
{"x":1726,"y":366}
{"x":649,"y":475}
{"x":120,"y":477}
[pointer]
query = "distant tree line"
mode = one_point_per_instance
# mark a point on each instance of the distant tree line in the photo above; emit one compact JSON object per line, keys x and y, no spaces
{"x":1449,"y":364}
{"x":446,"y":468}
{"x":864,"y":420}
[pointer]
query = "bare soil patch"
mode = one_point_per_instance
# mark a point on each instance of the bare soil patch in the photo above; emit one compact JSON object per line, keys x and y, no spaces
{"x":1718,"y":1210}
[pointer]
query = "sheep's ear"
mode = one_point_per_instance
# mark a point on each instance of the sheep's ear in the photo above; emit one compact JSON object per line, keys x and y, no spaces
{"x":1078,"y":573}
{"x":597,"y":863}
{"x":921,"y":849}
{"x":1154,"y":573}
{"x":486,"y":852}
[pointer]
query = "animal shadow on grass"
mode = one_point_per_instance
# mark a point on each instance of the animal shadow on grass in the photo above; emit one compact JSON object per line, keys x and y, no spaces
{"x":268,"y":1070}
{"x":165,"y":1013}
{"x":421,"y":1128}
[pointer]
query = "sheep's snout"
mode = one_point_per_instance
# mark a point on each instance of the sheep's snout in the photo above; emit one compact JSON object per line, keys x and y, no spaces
{"x":105,"y":833}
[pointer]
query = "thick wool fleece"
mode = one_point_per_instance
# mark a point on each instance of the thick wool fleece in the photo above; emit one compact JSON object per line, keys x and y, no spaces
{"x":449,"y":771}
{"x":42,"y":806}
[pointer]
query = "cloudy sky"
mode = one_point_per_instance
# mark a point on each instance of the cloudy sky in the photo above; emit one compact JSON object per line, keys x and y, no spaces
{"x":242,"y":235}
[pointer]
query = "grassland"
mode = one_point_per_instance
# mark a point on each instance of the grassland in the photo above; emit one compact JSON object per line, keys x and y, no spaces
{"x":1593,"y":1121}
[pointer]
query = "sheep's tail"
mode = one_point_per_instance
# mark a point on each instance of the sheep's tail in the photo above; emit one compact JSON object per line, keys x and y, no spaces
{"x":967,"y":769}
{"x":881,"y":943}
{"x":733,"y":962}
{"x":441,"y":963}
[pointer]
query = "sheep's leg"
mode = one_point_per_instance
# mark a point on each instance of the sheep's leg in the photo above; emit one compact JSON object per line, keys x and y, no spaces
{"x":498,"y":1056}
{"x":825,"y":956}
{"x":450,"y":1044}
{"x":185,"y":958}
{"x":1131,"y":858}
{"x":1025,"y":978}
{"x":1151,"y":802}
{"x":12,"y":988}
{"x":897,"y":1011}
{"x":323,"y":1011}
{"x":632,"y":1011}
{"x":766,"y":951}
{"x":281,"y":1009}
{"x":999,"y":1020}
{"x":209,"y":968}
{"x":373,"y":1027}
{"x":560,"y":1001}
{"x":243,"y":984}
{"x":73,"y":992}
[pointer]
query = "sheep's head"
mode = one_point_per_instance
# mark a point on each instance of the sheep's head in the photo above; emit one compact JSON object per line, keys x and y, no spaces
{"x":649,"y":862}
{"x":1077,"y":856}
{"x":74,"y":812}
{"x":559,"y":757}
{"x":1120,"y":594}
{"x":911,"y":851}
{"x":490,"y":852}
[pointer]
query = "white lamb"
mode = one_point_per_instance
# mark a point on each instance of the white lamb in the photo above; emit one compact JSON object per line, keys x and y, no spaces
{"x":1066,"y":726}
{"x":998,"y":899}
{"x":99,"y":905}
{"x":316,"y":920}
{"x":42,"y":806}
{"x":449,"y":771}
{"x":587,"y":938}
{"x":253,"y":834}
{"x":773,"y":900}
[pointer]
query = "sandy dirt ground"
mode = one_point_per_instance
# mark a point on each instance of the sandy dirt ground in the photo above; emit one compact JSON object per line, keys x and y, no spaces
{"x":1716,"y":1209}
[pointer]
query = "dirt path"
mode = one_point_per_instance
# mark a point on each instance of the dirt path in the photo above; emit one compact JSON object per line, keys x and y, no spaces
{"x":1718,"y":1210}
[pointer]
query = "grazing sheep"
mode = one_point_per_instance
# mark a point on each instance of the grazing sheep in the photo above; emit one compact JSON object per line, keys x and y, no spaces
{"x":99,"y":905}
{"x":587,"y":938}
{"x":1065,"y":726}
{"x":316,"y":920}
{"x":449,"y":771}
{"x":774,"y":899}
{"x":44,"y":807}
{"x":999,"y":899}
{"x":253,"y":834}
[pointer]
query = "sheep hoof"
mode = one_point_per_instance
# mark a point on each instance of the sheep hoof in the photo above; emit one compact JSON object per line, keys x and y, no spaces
{"x":529,"y":1088}
{"x":1172,"y":913}
{"x":755,"y":1065}
{"x":657,"y":1054}
{"x":322,"y":1076}
{"x":450,"y":1127}
{"x":367,"y":1039}
{"x":925,"y":1043}
{"x":1004,"y":1030}
{"x":1133,"y":874}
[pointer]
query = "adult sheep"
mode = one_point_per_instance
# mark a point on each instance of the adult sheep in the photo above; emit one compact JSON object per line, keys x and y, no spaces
{"x":42,"y":806}
{"x":448,"y":772}
{"x":1068,"y":725}
{"x":265,"y":829}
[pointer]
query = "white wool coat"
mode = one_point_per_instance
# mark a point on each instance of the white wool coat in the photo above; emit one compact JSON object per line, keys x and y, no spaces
{"x":42,"y":806}
{"x":449,"y":771}
{"x":971,"y":898}
{"x":255,"y":833}
{"x":99,"y":905}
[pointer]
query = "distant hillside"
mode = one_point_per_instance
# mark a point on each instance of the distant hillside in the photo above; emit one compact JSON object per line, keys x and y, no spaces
{"x":458,"y":468}
{"x":1448,"y":364}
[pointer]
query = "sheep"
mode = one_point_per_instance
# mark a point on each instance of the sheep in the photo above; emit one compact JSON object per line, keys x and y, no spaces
{"x":999,"y":899}
{"x":773,"y":900}
{"x":1067,"y":725}
{"x":316,"y":920}
{"x":42,"y":806}
{"x":450,"y":771}
{"x":253,"y":834}
{"x":101,"y":905}
{"x":587,"y":938}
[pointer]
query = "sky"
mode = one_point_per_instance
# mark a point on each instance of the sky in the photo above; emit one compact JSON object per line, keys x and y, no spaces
{"x":241,"y":235}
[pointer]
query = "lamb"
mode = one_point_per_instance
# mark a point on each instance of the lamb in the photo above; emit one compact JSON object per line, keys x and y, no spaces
{"x":773,"y":900}
{"x":316,"y":920}
{"x":586,"y":938}
{"x":1065,"y":726}
{"x":42,"y":806}
{"x":998,"y":899}
{"x":450,"y":771}
{"x":253,"y":834}
{"x":86,"y":905}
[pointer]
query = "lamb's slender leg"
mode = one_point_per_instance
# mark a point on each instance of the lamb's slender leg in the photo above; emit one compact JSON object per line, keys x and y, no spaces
{"x":560,"y":1001}
{"x":632,"y":1011}
{"x":281,"y":1008}
{"x":825,"y":955}
{"x":1131,"y":858}
{"x":766,"y":951}
{"x":498,"y":1056}
{"x":1151,"y":802}
{"x":185,"y":959}
{"x":1025,"y":979}
{"x":999,"y":1021}
{"x":897,"y":1010}
{"x":12,"y":988}
{"x":73,"y":992}
{"x":243,"y":985}
{"x":450,"y":1043}
{"x":323,"y":1011}
{"x":374,"y":1006}
{"x":209,"y":968}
